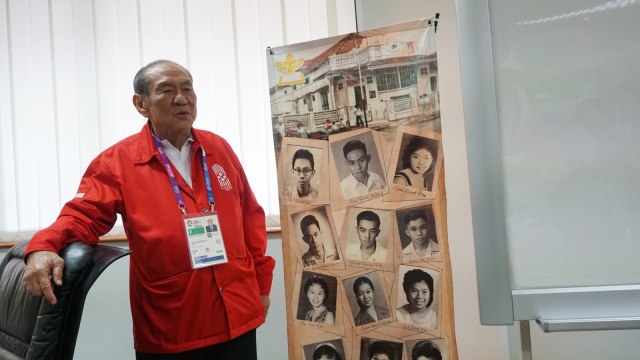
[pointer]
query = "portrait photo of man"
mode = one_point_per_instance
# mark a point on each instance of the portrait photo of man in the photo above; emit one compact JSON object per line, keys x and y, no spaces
{"x":300,"y":181}
{"x":356,"y":163}
{"x":367,"y":229}
{"x":316,"y":238}
{"x":417,"y":233}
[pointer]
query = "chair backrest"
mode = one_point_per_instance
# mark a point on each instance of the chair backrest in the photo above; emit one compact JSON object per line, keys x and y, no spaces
{"x":32,"y":328}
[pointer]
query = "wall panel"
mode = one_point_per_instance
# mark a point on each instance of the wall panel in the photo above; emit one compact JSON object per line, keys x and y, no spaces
{"x":69,"y":67}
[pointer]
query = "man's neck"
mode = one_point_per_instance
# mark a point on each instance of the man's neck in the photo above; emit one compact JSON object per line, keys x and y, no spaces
{"x":422,"y":246}
{"x":367,"y":252}
{"x":303,"y":189}
{"x":177,"y":140}
{"x":366,"y":179}
{"x":421,"y":250}
{"x":319,"y":254}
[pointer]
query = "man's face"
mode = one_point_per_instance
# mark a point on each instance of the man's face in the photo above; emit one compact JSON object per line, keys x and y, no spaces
{"x":170,"y":103}
{"x":313,"y":236}
{"x":417,"y":230}
{"x":418,"y":295}
{"x":368,"y":232}
{"x":302,"y":171}
{"x":364,"y":295}
{"x":358,"y":163}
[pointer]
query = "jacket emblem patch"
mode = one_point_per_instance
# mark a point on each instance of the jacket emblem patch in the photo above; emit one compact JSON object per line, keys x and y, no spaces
{"x":223,"y":180}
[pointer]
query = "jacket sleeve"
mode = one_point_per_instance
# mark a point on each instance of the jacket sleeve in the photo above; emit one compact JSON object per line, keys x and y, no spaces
{"x":89,"y":215}
{"x":254,"y":228}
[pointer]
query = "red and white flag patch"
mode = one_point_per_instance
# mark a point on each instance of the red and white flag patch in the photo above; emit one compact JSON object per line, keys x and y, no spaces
{"x":223,"y":180}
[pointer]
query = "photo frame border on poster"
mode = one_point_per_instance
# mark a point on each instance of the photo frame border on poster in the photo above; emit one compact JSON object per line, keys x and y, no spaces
{"x":401,"y":192}
{"x":352,"y":304}
{"x":295,"y":234}
{"x":433,"y":210}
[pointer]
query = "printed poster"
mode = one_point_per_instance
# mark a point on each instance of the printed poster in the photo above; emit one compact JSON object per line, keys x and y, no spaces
{"x":358,"y":145}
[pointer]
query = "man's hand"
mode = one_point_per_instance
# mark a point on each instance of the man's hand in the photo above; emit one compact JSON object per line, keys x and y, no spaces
{"x":265,"y":304}
{"x":41,"y":265}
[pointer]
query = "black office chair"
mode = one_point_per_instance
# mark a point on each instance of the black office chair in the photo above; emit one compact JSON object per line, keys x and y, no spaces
{"x":32,"y":328}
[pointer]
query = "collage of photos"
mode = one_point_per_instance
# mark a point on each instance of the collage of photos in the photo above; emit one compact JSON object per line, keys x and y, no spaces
{"x":376,"y":349}
{"x":363,"y":210}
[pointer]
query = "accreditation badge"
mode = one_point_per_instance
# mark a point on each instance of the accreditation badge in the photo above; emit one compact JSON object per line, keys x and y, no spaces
{"x":206,"y":246}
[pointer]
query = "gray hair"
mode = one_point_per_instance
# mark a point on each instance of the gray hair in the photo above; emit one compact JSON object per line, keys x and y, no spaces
{"x":142,"y":79}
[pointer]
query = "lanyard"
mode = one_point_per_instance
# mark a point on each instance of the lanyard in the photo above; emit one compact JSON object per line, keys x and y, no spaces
{"x":174,"y":183}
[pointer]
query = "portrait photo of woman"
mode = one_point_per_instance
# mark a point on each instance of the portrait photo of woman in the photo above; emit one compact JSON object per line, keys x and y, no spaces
{"x":416,"y":166}
{"x":315,"y":304}
{"x":373,"y":349}
{"x":425,"y":350}
{"x":419,"y":291}
{"x":324,"y":350}
{"x":365,"y":295}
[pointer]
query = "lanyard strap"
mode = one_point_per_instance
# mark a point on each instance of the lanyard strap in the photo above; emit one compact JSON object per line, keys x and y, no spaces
{"x":174,"y":183}
{"x":207,"y":181}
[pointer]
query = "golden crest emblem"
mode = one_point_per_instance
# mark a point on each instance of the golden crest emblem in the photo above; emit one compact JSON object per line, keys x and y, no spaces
{"x":289,"y":68}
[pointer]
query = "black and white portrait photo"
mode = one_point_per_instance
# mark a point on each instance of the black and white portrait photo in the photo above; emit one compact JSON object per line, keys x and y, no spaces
{"x":367,"y":298}
{"x":324,"y":350}
{"x":418,"y":296}
{"x":357,"y":161}
{"x":315,"y":237}
{"x":302,"y":172}
{"x":417,"y":161}
{"x":417,"y":231}
{"x":317,"y":298}
{"x":374,"y":349}
{"x":368,"y":234}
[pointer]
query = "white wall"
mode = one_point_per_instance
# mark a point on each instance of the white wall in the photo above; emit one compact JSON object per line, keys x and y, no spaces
{"x":66,"y":71}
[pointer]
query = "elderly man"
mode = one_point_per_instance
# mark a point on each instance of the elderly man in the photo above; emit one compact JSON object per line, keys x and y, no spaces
{"x":191,"y":296}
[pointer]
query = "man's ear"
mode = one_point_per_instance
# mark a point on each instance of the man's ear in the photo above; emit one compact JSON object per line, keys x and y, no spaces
{"x":138,"y":102}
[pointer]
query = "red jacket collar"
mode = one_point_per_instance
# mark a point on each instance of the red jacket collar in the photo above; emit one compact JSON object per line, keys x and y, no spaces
{"x":147,"y":149}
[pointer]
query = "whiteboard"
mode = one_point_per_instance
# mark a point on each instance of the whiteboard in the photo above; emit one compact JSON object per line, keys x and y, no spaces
{"x":557,"y":145}
{"x":568,"y":97}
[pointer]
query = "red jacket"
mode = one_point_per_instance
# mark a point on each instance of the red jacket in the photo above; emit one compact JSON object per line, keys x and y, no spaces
{"x":174,"y":308}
